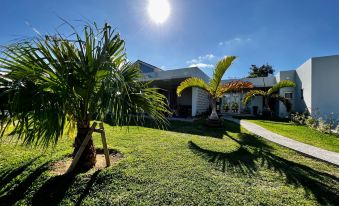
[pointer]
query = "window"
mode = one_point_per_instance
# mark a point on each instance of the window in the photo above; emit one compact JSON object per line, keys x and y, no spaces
{"x":302,"y":94}
{"x":289,"y":95}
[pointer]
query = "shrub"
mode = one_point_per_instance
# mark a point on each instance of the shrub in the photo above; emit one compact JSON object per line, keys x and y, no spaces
{"x":234,"y":106}
{"x":226,"y":107}
{"x":311,"y":122}
{"x":298,"y":118}
{"x":323,"y":126}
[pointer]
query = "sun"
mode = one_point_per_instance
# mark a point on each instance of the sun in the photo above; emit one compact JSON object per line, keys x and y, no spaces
{"x":159,"y":10}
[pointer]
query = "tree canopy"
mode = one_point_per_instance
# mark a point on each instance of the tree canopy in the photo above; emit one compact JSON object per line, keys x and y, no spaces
{"x":262,"y":71}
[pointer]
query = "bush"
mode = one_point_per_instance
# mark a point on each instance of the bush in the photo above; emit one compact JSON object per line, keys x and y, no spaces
{"x":323,"y":126}
{"x":298,"y":118}
{"x":311,"y":122}
{"x":316,"y":122}
{"x":234,"y":107}
{"x":226,"y":107}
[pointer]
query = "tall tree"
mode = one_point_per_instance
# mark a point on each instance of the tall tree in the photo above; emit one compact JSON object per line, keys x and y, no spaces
{"x":271,"y":94}
{"x":55,"y":83}
{"x":215,"y":88}
{"x":262,"y":71}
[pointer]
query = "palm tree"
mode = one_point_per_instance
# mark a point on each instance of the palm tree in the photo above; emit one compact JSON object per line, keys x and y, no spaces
{"x":214,"y":88}
{"x":271,"y":94}
{"x":55,"y":84}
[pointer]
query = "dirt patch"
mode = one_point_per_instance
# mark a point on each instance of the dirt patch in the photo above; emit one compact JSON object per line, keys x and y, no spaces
{"x":60,"y":167}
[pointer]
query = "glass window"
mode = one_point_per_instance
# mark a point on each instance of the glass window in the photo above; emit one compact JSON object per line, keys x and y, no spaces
{"x":288,"y":95}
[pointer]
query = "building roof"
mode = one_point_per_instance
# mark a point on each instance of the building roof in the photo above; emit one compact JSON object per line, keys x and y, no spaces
{"x":176,"y":74}
{"x":146,"y":67}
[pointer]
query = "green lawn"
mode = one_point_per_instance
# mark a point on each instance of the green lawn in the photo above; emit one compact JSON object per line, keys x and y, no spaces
{"x":188,"y":165}
{"x":302,"y":134}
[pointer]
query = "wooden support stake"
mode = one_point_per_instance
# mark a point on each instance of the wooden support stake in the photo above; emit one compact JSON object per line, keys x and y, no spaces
{"x":104,"y":143}
{"x":81,"y":148}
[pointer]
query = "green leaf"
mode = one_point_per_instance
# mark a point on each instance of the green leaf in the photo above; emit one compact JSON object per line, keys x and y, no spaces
{"x":192,"y":82}
{"x":280,"y":85}
{"x":220,"y":69}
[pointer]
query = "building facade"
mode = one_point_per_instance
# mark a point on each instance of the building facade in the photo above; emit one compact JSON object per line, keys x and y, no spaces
{"x":317,"y":89}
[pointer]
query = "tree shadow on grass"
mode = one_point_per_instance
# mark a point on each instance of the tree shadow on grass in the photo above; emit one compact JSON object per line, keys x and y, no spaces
{"x":197,"y":127}
{"x":239,"y":159}
{"x":8,"y":175}
{"x":18,"y":192}
{"x":254,"y":153}
{"x":51,"y":192}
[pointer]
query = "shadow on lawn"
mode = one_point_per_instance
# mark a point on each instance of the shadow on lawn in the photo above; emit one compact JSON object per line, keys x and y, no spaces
{"x":52,"y":190}
{"x":254,"y":153}
{"x":12,"y":195}
{"x":8,"y":175}
{"x":198,"y":127}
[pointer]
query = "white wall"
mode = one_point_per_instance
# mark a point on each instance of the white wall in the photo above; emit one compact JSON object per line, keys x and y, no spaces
{"x":200,"y":101}
{"x":325,"y":84}
{"x":304,"y":81}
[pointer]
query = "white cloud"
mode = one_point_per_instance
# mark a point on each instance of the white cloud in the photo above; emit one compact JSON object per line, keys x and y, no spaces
{"x":201,"y":59}
{"x":202,"y":65}
{"x":235,"y":41}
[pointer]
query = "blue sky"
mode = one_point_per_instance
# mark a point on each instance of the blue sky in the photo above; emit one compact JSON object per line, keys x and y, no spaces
{"x":284,"y":33}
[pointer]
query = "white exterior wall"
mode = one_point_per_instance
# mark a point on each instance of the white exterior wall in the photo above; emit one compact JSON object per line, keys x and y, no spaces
{"x":200,"y":101}
{"x":325,"y":81}
{"x":303,"y":81}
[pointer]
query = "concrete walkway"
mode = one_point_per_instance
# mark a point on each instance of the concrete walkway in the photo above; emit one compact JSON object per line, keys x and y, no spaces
{"x":325,"y":155}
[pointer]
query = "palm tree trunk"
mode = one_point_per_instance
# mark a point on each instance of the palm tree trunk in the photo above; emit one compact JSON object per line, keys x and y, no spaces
{"x":88,"y":157}
{"x":214,"y":114}
{"x":267,"y":106}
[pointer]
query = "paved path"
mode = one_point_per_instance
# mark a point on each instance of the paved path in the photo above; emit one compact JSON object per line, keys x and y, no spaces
{"x":309,"y":150}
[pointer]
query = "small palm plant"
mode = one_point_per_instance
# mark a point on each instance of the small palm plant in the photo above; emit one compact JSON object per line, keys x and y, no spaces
{"x":55,"y":84}
{"x":214,"y":88}
{"x":271,"y":94}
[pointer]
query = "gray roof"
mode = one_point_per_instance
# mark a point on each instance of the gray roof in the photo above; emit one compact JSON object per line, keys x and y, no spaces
{"x":176,"y":74}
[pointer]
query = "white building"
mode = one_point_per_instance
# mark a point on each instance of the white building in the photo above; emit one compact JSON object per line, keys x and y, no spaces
{"x":317,"y":88}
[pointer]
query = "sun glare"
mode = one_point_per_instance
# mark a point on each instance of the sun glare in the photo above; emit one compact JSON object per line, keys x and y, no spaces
{"x":159,"y":10}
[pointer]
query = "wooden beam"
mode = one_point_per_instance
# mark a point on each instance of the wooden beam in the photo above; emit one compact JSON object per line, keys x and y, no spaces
{"x":81,"y":148}
{"x":104,"y":144}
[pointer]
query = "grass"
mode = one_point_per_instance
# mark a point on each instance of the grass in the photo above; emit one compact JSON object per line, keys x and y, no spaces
{"x":302,"y":134}
{"x":187,"y":165}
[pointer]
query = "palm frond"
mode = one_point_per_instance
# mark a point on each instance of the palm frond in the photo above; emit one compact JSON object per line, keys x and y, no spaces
{"x":281,"y":84}
{"x":192,"y":82}
{"x":249,"y":95}
{"x":128,"y":100}
{"x":220,"y":70}
{"x":51,"y":79}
